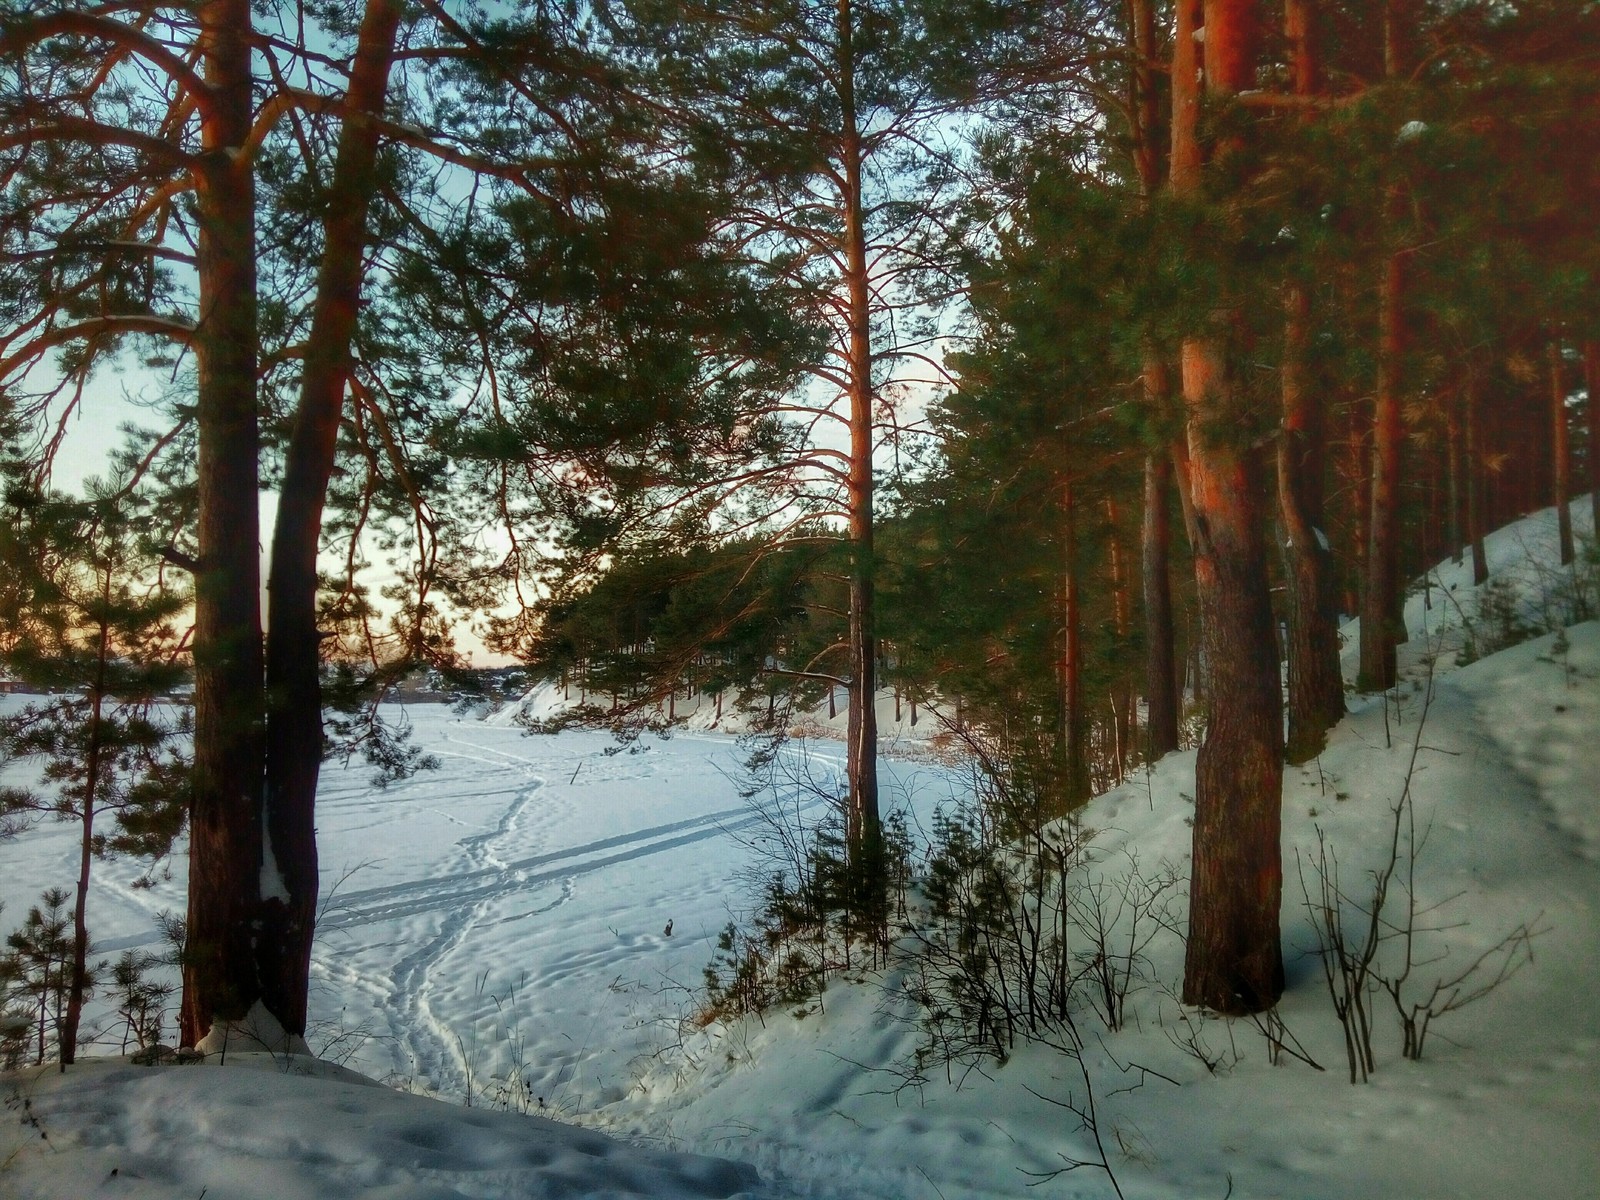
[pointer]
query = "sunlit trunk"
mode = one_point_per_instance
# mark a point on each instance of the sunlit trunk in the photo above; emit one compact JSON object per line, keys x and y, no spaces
{"x":1233,"y":962}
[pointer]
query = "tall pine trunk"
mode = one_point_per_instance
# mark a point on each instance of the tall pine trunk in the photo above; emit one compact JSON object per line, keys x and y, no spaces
{"x":1124,"y":693}
{"x":1234,"y":961}
{"x":1073,"y":730}
{"x":219,"y":970}
{"x":1591,"y":381}
{"x":1380,"y":596}
{"x":1382,"y":601}
{"x":1161,"y":675}
{"x":1472,"y":433}
{"x":1155,"y":532}
{"x":1316,"y":685}
{"x":294,"y":719}
{"x":864,"y":830}
{"x":1455,"y":492}
{"x":1560,"y":459}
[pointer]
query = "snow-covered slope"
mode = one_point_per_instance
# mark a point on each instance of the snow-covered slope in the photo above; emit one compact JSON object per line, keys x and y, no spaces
{"x":262,"y":1128}
{"x":1504,"y":1103}
{"x":498,"y":929}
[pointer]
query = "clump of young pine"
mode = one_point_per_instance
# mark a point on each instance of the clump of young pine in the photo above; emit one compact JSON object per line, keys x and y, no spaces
{"x":820,"y":914}
{"x":90,"y":621}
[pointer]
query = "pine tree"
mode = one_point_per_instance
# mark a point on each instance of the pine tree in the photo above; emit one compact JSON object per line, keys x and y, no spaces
{"x":182,"y":184}
{"x":89,"y":619}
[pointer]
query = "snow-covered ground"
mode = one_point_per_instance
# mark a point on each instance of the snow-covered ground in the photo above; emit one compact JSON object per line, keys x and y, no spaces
{"x":497,"y":929}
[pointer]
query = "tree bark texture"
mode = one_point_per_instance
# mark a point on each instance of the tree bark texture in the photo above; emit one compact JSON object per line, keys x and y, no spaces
{"x":1123,"y":689}
{"x":864,"y":830}
{"x":1233,"y":962}
{"x":1161,"y":673}
{"x":1316,"y":683}
{"x":1162,"y":694}
{"x":1454,"y":491}
{"x":219,"y":971}
{"x":1382,"y":593}
{"x":294,"y":719}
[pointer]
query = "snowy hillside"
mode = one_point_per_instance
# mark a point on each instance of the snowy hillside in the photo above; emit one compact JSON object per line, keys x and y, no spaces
{"x":499,"y":930}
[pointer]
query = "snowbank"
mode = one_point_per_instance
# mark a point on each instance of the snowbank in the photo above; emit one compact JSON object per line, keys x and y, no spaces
{"x":290,"y":1128}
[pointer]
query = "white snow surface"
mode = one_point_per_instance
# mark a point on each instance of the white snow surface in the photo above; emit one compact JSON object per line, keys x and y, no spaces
{"x":496,"y":929}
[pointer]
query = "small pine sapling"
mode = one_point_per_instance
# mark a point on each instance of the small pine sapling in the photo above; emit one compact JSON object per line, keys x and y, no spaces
{"x":90,"y":620}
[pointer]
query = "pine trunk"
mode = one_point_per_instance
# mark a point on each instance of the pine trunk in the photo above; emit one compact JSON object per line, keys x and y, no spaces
{"x":1591,"y":380}
{"x":78,"y":980}
{"x":1234,"y":961}
{"x":1155,"y":533}
{"x":1472,"y":433}
{"x":1161,"y":676}
{"x":294,"y":719}
{"x":1560,"y":458}
{"x":1074,"y":720}
{"x":1455,"y":492}
{"x":1122,"y":690}
{"x":1316,"y":684}
{"x":864,"y":831}
{"x":219,"y":972}
{"x":1381,"y":595}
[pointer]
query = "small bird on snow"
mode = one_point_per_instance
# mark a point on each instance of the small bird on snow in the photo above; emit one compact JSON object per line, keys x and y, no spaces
{"x":667,"y":932}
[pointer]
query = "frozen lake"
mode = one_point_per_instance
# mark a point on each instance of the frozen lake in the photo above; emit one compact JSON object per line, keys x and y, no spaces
{"x":502,"y":917}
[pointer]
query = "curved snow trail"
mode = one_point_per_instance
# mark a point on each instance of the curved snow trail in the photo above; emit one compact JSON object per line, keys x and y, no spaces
{"x":408,"y":1008}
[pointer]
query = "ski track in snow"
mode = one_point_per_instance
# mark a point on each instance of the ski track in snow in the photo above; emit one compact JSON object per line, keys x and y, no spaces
{"x":421,"y":1034}
{"x":502,"y":879}
{"x":432,"y":917}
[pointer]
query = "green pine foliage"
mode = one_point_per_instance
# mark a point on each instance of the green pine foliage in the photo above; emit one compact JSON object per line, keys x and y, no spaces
{"x":91,"y":625}
{"x":35,"y":981}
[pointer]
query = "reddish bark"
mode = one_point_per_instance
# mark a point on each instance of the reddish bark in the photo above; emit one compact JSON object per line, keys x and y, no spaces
{"x":1560,"y":459}
{"x":219,"y":976}
{"x":294,"y":722}
{"x":1475,"y":480}
{"x":1234,"y":961}
{"x":1316,"y":684}
{"x":1453,"y":484}
{"x":1124,"y":720}
{"x":1161,"y":676}
{"x":1380,"y":597}
{"x":1155,"y":534}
